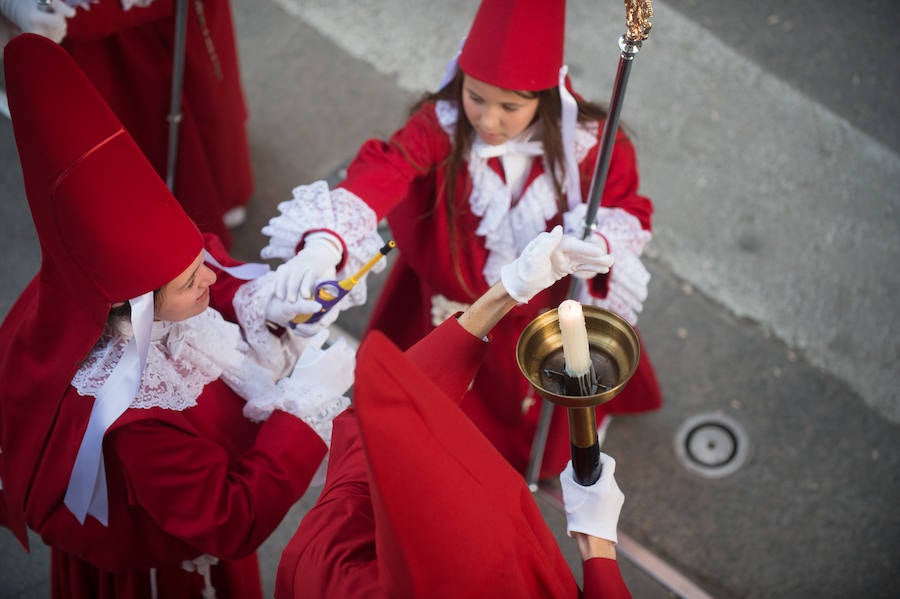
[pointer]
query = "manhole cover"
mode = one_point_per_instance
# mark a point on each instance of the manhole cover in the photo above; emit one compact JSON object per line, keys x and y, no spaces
{"x":712,"y":445}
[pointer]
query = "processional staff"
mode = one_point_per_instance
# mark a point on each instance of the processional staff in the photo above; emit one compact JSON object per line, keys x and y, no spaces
{"x":174,"y":117}
{"x":637,"y":24}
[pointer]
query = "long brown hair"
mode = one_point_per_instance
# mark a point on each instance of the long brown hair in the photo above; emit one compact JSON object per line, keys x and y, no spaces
{"x":549,"y":113}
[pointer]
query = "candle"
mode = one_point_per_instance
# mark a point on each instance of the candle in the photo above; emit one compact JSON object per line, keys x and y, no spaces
{"x":576,"y":349}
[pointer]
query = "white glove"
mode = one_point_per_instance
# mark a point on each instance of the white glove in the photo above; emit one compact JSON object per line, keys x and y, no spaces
{"x":546,"y":259}
{"x":315,"y":263}
{"x":593,"y":510}
{"x":26,"y":15}
{"x":281,"y":311}
{"x":595,"y":239}
{"x":327,"y":369}
{"x":314,"y":391}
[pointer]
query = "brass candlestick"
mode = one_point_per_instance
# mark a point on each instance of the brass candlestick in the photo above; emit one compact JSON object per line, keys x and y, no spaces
{"x":615,"y":352}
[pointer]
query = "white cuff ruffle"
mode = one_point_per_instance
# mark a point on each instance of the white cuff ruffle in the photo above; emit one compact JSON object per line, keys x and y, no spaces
{"x":628,"y":277}
{"x":346,"y":214}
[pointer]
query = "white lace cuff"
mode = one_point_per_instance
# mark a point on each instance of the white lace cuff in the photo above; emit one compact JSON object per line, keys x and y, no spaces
{"x":628,"y":278}
{"x":443,"y":308}
{"x":277,"y":354}
{"x":346,"y":214}
{"x":314,"y":391}
{"x":310,"y":403}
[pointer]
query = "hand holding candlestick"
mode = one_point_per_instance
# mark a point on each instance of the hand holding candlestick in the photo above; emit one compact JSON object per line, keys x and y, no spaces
{"x":593,"y":509}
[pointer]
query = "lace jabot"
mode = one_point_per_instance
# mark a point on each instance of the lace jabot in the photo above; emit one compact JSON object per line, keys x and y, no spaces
{"x":183,"y":357}
{"x":179,"y":360}
{"x":508,"y":228}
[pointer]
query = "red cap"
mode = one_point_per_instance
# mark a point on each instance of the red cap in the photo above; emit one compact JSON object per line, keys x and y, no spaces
{"x":452,"y":517}
{"x":516,"y":44}
{"x":109,"y":231}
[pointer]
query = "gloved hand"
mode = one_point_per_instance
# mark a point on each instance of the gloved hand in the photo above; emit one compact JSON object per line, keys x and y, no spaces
{"x":328,"y":370}
{"x":315,"y":263}
{"x":548,"y":258}
{"x":597,"y":240}
{"x":593,"y":510}
{"x":314,"y":391}
{"x":280,"y":311}
{"x":26,"y":15}
{"x":308,"y":330}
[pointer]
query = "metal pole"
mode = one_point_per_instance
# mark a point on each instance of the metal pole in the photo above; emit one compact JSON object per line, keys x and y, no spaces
{"x":637,"y":13}
{"x":174,"y":118}
{"x":608,"y":136}
{"x":538,"y":443}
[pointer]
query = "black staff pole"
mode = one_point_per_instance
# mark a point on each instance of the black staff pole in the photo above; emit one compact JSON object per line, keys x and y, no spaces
{"x":174,"y":118}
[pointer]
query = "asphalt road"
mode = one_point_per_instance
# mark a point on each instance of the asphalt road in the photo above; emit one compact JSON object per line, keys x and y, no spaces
{"x":768,"y":139}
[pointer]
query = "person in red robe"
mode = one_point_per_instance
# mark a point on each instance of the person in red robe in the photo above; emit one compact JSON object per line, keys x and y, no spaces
{"x":503,"y":151}
{"x":157,"y":421}
{"x":418,"y":503}
{"x":126,"y":48}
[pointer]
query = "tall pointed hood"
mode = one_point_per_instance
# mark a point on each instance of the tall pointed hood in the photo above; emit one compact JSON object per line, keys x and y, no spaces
{"x":109,"y":231}
{"x":452,"y":518}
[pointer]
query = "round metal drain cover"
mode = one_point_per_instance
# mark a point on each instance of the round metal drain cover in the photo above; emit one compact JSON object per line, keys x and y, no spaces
{"x":712,"y":445}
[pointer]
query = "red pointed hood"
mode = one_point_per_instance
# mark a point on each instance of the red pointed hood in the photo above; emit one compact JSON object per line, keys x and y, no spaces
{"x":109,"y":230}
{"x":452,"y":518}
{"x":516,"y":44}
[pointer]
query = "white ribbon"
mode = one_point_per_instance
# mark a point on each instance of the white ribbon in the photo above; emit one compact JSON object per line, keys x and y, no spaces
{"x":245,"y":272}
{"x":450,"y":71}
{"x":527,"y":148}
{"x":569,"y":122}
{"x":87,"y":493}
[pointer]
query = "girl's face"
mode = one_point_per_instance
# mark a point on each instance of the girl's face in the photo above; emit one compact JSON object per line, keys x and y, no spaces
{"x":187,"y":295}
{"x":496,"y":114}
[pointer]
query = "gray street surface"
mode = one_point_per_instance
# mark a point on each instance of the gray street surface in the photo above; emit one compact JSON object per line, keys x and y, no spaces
{"x":768,"y":139}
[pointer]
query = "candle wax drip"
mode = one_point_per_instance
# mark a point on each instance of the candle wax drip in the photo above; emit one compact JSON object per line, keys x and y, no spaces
{"x":605,"y":368}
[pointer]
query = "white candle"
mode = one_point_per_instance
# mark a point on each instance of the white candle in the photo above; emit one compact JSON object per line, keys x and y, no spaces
{"x":576,"y":349}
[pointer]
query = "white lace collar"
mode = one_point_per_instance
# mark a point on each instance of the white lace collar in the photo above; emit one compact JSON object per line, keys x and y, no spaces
{"x":508,"y":230}
{"x":183,"y":357}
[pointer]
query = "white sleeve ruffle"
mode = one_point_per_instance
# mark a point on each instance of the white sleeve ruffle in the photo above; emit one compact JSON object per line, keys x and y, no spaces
{"x":315,"y":402}
{"x":316,"y":207}
{"x":314,"y":391}
{"x":628,"y":277}
{"x":276,"y":353}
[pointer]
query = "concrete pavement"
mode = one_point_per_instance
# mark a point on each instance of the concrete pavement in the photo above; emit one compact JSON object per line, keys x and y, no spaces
{"x":773,"y":260}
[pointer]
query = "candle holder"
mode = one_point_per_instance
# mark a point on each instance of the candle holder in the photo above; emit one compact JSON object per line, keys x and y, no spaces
{"x":614,"y":351}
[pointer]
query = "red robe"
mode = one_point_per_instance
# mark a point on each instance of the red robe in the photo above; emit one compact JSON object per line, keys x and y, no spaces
{"x":180,"y":483}
{"x":128,"y":55}
{"x":466,"y":527}
{"x":400,"y":179}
